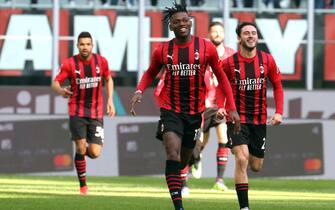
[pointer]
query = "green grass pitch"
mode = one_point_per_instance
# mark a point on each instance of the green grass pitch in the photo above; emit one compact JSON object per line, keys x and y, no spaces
{"x":150,"y":193}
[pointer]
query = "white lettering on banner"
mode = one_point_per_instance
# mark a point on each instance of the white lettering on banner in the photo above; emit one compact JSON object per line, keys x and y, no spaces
{"x":283,"y":46}
{"x":122,"y":40}
{"x":14,"y":52}
{"x":113,"y":46}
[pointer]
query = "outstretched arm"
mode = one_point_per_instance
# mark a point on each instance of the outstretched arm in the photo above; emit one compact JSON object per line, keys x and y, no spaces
{"x":147,"y":79}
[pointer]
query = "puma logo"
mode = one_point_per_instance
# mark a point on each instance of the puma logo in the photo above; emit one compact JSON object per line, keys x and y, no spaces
{"x":237,"y":70}
{"x":169,"y":56}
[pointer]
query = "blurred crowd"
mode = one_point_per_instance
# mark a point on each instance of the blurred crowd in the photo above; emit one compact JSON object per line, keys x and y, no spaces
{"x":264,"y":4}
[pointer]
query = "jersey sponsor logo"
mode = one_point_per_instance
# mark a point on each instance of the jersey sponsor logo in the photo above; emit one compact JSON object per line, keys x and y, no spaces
{"x":181,"y":69}
{"x":250,"y":84}
{"x":88,"y":82}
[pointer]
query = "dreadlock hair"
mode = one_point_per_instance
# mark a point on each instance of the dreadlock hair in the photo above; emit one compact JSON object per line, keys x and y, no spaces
{"x":169,"y":11}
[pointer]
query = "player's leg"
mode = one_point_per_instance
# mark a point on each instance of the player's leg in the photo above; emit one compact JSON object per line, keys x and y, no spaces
{"x":257,"y":147}
{"x":221,"y":156}
{"x":170,"y":130}
{"x":95,"y":138}
{"x":78,"y":127}
{"x":241,"y":178}
{"x":239,"y":145}
{"x":185,"y":191}
{"x":80,"y":164}
{"x":172,"y":143}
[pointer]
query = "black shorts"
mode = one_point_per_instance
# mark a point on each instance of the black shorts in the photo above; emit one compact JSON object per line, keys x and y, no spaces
{"x":184,"y":125}
{"x":87,"y":128}
{"x":252,"y":135}
{"x":210,"y":119}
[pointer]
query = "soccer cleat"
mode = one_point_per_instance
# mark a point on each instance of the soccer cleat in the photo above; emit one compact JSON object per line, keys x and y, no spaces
{"x":185,"y":191}
{"x":245,"y":208}
{"x":83,"y":190}
{"x":196,"y":170}
{"x":219,"y":186}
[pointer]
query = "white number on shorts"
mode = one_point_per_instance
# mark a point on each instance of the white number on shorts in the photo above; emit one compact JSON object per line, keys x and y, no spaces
{"x":99,"y":132}
{"x":263,"y":147}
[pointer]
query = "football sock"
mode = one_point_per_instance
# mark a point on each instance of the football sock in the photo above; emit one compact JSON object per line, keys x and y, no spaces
{"x":183,"y":175}
{"x":173,"y":180}
{"x":242,"y":194}
{"x":80,"y":163}
{"x":221,"y":159}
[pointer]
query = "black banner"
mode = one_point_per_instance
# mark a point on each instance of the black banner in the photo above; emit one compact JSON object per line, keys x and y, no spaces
{"x":35,"y":146}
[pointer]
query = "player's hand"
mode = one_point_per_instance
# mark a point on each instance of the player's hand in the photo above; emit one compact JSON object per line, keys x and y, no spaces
{"x":110,"y":108}
{"x":66,"y":92}
{"x":221,"y":114}
{"x":136,"y":99}
{"x":235,"y":118}
{"x":276,"y":119}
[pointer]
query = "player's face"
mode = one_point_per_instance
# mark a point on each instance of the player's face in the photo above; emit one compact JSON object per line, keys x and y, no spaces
{"x":180,"y":24}
{"x":85,"y":47}
{"x":216,"y":35}
{"x":248,"y":37}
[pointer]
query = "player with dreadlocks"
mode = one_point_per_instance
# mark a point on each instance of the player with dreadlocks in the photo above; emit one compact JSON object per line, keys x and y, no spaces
{"x":182,"y":99}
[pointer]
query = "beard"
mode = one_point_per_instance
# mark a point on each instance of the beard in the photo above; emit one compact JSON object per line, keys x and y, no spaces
{"x":248,"y":48}
{"x":85,"y":55}
{"x":216,"y":42}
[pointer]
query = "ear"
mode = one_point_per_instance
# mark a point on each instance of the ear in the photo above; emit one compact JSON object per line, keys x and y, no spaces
{"x":170,"y":27}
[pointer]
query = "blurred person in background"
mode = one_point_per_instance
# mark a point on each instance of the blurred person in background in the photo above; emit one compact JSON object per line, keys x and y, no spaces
{"x":85,"y":71}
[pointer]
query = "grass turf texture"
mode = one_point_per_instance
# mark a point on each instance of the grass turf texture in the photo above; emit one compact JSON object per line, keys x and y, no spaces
{"x":146,"y":193}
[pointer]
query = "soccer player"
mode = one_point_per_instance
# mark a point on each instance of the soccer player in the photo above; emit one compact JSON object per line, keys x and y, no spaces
{"x":85,"y":72}
{"x":216,"y":35}
{"x":182,"y":99}
{"x":248,"y":71}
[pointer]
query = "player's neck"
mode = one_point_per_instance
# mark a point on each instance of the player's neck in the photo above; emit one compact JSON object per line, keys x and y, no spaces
{"x":85,"y":58}
{"x":220,"y":49}
{"x":183,"y":40}
{"x":247,"y":53}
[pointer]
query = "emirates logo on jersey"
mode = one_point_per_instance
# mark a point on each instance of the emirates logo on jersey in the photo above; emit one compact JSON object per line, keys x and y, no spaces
{"x":250,"y":83}
{"x":182,"y":69}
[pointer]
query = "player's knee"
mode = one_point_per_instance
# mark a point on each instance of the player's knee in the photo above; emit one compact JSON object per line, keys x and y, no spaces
{"x":256,"y":167}
{"x":173,"y":155}
{"x":81,"y":150}
{"x":241,"y":161}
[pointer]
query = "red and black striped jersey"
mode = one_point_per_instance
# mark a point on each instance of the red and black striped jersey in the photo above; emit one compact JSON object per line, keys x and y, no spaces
{"x":184,"y":87}
{"x":86,"y":84}
{"x":248,"y":79}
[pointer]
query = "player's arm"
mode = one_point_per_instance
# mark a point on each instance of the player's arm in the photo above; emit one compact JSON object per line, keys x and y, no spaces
{"x":109,"y":88}
{"x":224,"y":85}
{"x":278,"y":93}
{"x":147,"y":78}
{"x":59,"y":79}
